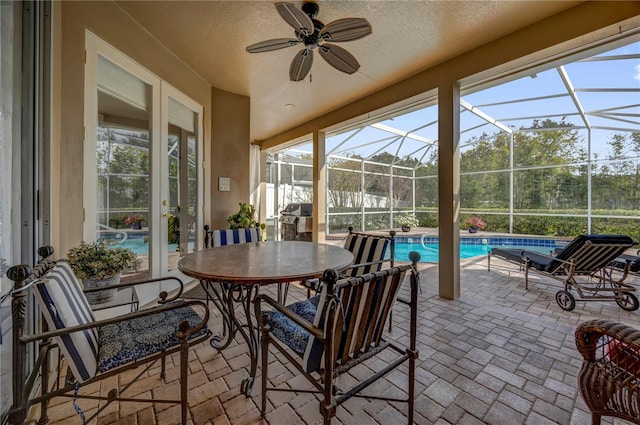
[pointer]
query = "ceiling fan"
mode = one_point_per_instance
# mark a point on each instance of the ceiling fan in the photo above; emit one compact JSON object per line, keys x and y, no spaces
{"x":315,"y":35}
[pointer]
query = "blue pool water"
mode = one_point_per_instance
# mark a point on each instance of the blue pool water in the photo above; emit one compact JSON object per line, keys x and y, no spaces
{"x":140,"y":247}
{"x":470,"y":247}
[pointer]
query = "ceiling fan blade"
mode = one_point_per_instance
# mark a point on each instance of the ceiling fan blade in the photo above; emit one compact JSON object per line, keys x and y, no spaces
{"x":274,"y":44}
{"x":339,"y":58}
{"x":295,"y":17}
{"x":301,"y":65}
{"x":347,"y":29}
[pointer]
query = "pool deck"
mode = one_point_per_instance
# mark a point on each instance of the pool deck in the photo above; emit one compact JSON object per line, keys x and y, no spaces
{"x":498,"y":355}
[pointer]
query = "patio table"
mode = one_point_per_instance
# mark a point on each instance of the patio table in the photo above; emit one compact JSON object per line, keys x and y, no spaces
{"x":232,"y":275}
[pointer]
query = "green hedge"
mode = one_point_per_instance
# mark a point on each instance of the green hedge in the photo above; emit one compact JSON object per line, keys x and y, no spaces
{"x":543,"y":225}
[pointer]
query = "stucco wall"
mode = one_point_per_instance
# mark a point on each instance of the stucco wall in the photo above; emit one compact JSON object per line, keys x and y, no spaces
{"x":106,"y":20}
{"x":231,"y":156}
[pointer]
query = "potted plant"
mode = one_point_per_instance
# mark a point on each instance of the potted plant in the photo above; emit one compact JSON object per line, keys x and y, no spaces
{"x":135,"y":221}
{"x":474,"y":224}
{"x":98,"y":264}
{"x":244,"y":218}
{"x":407,"y":221}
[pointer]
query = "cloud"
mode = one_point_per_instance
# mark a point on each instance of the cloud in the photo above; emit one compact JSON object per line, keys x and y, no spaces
{"x":636,"y":75}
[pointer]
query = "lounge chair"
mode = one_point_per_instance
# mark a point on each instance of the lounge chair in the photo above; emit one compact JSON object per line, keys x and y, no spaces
{"x":627,"y":260}
{"x":587,"y":258}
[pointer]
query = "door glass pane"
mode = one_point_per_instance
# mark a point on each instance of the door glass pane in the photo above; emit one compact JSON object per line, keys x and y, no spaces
{"x":182,"y":175}
{"x":123,"y":162}
{"x":9,"y":185}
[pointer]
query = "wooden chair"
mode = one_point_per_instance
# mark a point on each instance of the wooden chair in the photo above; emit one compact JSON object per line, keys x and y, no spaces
{"x":93,"y":349}
{"x":343,"y":326}
{"x":609,"y":379}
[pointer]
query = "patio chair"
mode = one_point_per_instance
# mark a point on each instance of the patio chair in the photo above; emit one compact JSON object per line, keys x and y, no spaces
{"x":92,"y":349}
{"x":230,"y":236}
{"x":609,"y":379}
{"x":369,"y":252}
{"x":582,"y":265}
{"x":335,"y":331}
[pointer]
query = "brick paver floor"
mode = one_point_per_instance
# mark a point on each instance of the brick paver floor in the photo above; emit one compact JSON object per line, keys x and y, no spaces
{"x":496,"y":355}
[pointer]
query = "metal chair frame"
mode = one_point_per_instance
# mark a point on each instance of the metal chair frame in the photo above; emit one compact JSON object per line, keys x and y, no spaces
{"x":24,"y":382}
{"x":335,"y":328}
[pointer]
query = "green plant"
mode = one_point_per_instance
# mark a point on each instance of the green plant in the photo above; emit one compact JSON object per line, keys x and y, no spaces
{"x":98,"y":260}
{"x":244,"y":218}
{"x":407,"y":220}
{"x":173,"y":231}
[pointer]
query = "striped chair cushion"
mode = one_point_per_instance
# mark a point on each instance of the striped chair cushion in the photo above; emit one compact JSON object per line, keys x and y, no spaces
{"x":63,"y":305}
{"x":365,"y":249}
{"x":234,"y":236}
{"x":365,"y":310}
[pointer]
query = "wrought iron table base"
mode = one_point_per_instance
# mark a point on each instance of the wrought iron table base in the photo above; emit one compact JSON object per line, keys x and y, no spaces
{"x":226,"y":297}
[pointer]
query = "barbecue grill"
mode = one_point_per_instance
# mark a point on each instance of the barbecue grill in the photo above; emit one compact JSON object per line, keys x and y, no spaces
{"x":296,"y":222}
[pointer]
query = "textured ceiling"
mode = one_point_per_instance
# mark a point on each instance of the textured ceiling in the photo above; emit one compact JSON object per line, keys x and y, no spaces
{"x":408,"y":36}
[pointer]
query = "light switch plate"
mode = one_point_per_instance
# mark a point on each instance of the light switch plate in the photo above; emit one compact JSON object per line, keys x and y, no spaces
{"x":224,"y":184}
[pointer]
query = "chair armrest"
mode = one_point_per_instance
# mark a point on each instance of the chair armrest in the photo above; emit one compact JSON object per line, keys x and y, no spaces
{"x":99,"y":323}
{"x":307,"y":326}
{"x":588,"y":334}
{"x":164,"y":295}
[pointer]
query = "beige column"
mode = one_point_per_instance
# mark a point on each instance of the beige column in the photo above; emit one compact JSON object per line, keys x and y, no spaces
{"x":262,"y":209}
{"x":319,"y":187}
{"x":449,"y":189}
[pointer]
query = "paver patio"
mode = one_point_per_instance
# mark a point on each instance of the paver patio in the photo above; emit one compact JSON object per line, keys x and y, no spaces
{"x":496,"y":355}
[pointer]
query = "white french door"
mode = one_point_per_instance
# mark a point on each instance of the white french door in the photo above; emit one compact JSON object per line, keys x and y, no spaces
{"x":143,"y":144}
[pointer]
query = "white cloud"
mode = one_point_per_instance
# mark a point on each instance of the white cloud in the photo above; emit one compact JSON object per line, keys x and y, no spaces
{"x":636,"y":75}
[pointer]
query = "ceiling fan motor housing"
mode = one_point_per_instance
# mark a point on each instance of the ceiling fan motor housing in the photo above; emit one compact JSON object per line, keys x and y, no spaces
{"x":302,"y":20}
{"x":311,"y":9}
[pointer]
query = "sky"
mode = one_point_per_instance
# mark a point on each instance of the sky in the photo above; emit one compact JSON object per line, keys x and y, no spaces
{"x":612,"y":85}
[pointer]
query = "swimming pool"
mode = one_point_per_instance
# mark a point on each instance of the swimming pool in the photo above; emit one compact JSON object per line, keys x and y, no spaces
{"x":470,"y":247}
{"x":140,"y":247}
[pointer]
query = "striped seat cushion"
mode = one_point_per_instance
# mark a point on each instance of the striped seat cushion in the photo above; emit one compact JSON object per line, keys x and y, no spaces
{"x":364,"y":313}
{"x":365,"y":249}
{"x":234,"y":236}
{"x":63,"y":305}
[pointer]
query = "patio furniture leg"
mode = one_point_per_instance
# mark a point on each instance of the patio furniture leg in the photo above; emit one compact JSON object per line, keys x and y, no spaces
{"x":163,"y":367}
{"x":44,"y":371}
{"x":265,"y":365}
{"x":184,"y":370}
